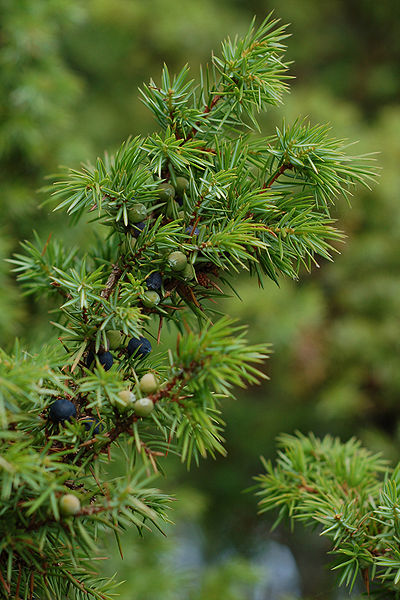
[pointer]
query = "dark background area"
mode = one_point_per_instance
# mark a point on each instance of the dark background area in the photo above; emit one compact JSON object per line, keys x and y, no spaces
{"x":69,"y":73}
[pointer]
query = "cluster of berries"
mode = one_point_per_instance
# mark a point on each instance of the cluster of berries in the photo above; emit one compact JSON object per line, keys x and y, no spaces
{"x":64,"y":410}
{"x":172,"y":198}
{"x":137,"y":347}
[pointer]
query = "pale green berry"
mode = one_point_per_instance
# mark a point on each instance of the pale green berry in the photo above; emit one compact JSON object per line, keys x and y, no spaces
{"x":188,"y":272}
{"x":177,"y":261}
{"x":166,"y":192}
{"x":70,"y":504}
{"x":143,"y":407}
{"x":148,"y":383}
{"x":137,"y":213}
{"x":181,"y":186}
{"x":125,"y":400}
{"x":150,"y":299}
{"x":115,"y":339}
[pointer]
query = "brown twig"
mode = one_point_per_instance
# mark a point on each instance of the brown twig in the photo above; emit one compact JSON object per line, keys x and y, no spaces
{"x":284,"y":167}
{"x":112,"y":281}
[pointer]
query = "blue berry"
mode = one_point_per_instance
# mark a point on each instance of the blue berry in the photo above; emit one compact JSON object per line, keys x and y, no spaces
{"x":89,"y":422}
{"x":137,"y":229}
{"x":154,"y":281}
{"x":139,"y":347}
{"x":106,"y":360}
{"x":89,"y":358}
{"x":62,"y":410}
{"x":189,"y":231}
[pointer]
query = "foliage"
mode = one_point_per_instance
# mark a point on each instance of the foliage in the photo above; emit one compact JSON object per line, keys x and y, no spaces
{"x":337,"y":488}
{"x":247,"y":204}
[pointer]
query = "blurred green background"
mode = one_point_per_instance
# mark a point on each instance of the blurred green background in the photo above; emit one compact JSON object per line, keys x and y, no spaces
{"x":69,"y":73}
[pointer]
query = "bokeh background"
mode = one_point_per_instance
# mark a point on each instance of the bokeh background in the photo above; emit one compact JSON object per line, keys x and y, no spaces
{"x":69,"y":72}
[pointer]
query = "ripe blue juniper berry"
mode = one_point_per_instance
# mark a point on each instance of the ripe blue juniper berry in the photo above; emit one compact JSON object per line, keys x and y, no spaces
{"x":93,"y":425}
{"x":139,"y":347}
{"x":154,"y":281}
{"x":62,"y":410}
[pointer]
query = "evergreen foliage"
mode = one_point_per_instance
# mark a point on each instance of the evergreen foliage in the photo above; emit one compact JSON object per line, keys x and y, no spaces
{"x":251,"y":203}
{"x":349,"y":495}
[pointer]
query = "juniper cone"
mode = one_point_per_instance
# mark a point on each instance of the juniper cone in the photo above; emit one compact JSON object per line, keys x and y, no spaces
{"x":115,"y":339}
{"x":70,"y":505}
{"x":137,"y":213}
{"x":177,"y":261}
{"x":93,"y":425}
{"x":125,"y":399}
{"x":143,"y":407}
{"x":148,"y":383}
{"x":265,"y":204}
{"x":62,"y":410}
{"x":150,"y":299}
{"x":106,"y":360}
{"x":166,"y":192}
{"x":188,"y":272}
{"x":154,"y":281}
{"x":181,"y":186}
{"x":139,"y":347}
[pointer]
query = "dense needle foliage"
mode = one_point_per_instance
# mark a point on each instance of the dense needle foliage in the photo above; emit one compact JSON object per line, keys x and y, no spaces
{"x":177,"y":216}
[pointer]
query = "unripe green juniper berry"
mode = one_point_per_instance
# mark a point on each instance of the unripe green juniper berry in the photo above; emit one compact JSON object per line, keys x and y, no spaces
{"x":62,"y":410}
{"x":150,"y":299}
{"x":166,"y":192}
{"x":137,"y":213}
{"x":181,"y":186}
{"x":70,"y":505}
{"x":126,"y":398}
{"x":139,"y":347}
{"x":148,"y":383}
{"x":188,"y":272}
{"x":177,"y":261}
{"x":154,"y":281}
{"x":143,"y":407}
{"x":115,"y":339}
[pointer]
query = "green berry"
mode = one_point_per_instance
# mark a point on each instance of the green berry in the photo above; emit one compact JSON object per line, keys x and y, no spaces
{"x":137,"y":213}
{"x":177,"y":261}
{"x":166,"y":192}
{"x":69,"y":504}
{"x":143,"y":407}
{"x":150,"y":299}
{"x":115,"y":339}
{"x":181,"y":186}
{"x":126,"y":399}
{"x":188,"y":272}
{"x":148,"y":383}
